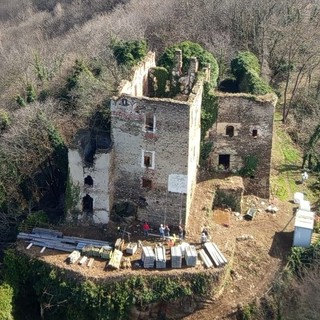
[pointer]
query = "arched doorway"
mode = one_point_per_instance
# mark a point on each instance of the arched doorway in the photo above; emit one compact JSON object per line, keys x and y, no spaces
{"x":87,"y":204}
{"x":88,"y":181}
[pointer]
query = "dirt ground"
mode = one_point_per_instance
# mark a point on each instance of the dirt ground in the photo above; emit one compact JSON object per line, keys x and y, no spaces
{"x":256,"y":249}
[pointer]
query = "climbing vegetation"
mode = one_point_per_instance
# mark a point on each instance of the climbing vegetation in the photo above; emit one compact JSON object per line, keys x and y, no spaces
{"x":246,"y":68}
{"x":189,"y":50}
{"x":129,"y":53}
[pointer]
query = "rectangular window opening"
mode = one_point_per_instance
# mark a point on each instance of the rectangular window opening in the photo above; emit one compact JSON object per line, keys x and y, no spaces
{"x":147,"y":161}
{"x":254,"y":132}
{"x":224,"y":161}
{"x":146,"y":183}
{"x":149,"y":124}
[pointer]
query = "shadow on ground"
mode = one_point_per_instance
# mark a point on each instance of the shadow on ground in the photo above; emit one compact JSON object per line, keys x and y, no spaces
{"x":281,"y":244}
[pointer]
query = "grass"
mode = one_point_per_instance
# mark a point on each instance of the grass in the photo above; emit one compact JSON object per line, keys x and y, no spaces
{"x":286,"y":163}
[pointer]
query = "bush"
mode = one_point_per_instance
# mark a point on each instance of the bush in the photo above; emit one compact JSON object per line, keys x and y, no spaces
{"x":34,"y":219}
{"x":243,"y":62}
{"x":6,"y":294}
{"x":158,"y":78}
{"x":31,"y":93}
{"x":4,"y":119}
{"x":189,"y":50}
{"x":246,"y":68}
{"x":209,"y":110}
{"x":250,"y":166}
{"x":129,"y":53}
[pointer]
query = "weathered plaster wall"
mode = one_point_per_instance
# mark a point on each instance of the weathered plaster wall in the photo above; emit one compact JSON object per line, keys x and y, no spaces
{"x":195,"y":100}
{"x":167,"y":143}
{"x":137,"y":86}
{"x":101,"y":191}
{"x":246,"y":114}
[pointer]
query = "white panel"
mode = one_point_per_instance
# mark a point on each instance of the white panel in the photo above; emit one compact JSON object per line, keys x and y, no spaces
{"x":178,"y":183}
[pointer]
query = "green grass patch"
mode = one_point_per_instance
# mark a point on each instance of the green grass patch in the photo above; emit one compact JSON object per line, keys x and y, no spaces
{"x":291,"y":153}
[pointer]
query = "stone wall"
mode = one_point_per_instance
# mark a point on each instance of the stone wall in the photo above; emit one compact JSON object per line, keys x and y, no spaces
{"x":95,"y":182}
{"x":244,"y":128}
{"x":167,"y":146}
{"x":138,"y":84}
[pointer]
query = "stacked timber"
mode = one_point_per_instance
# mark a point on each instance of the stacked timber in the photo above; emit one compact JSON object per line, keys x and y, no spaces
{"x":49,"y":232}
{"x":105,"y":252}
{"x":190,"y":255}
{"x":215,"y":254}
{"x":160,"y":254}
{"x":119,"y":244}
{"x":131,"y":248}
{"x":115,"y":259}
{"x":206,"y":260}
{"x":147,"y":257}
{"x":73,"y":256}
{"x":176,"y":257}
{"x":53,"y":239}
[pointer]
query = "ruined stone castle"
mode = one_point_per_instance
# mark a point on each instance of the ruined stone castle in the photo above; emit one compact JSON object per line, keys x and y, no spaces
{"x":152,"y":158}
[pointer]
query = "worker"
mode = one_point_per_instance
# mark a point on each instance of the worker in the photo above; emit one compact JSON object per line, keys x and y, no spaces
{"x":167,"y":231}
{"x":203,"y":239}
{"x":161,"y":231}
{"x":181,"y":232}
{"x":146,"y":229}
{"x":304,"y":176}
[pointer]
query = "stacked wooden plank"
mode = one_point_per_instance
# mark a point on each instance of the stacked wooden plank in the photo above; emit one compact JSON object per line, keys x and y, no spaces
{"x":206,"y":260}
{"x":190,"y":255}
{"x":54,"y":239}
{"x":119,"y":244}
{"x":105,"y":253}
{"x":160,"y":256}
{"x":73,"y":256}
{"x":176,"y":257}
{"x":215,"y":254}
{"x":131,"y":248}
{"x":115,"y":259}
{"x":147,"y":257}
{"x":53,"y":233}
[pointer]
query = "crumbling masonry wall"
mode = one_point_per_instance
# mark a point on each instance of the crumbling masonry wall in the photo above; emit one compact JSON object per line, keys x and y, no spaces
{"x":99,"y":188}
{"x":244,"y":128}
{"x":167,"y":145}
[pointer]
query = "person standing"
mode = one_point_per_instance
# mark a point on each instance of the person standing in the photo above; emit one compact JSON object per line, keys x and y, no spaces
{"x":203,"y":239}
{"x":161,"y":231}
{"x":146,"y":229}
{"x":167,"y":231}
{"x":304,"y":176}
{"x":181,"y":232}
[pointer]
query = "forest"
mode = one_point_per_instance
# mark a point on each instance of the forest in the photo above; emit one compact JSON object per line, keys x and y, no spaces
{"x":59,"y":71}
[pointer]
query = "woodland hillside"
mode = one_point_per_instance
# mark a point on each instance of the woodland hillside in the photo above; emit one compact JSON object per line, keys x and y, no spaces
{"x":58,"y":72}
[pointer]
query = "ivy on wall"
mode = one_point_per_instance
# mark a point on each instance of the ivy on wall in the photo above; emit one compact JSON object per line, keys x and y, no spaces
{"x":246,"y":69}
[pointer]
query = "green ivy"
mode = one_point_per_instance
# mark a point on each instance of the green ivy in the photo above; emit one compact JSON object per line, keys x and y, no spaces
{"x":158,"y":77}
{"x":129,"y":53}
{"x":250,"y":166}
{"x":72,"y":196}
{"x":209,"y":109}
{"x":190,"y":49}
{"x":205,"y":150}
{"x":246,"y":68}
